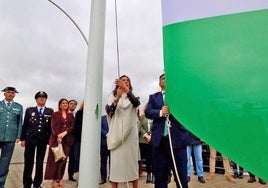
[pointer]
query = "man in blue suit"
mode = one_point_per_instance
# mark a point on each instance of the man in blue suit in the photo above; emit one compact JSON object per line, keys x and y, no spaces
{"x":10,"y":130}
{"x":104,"y":152}
{"x":162,"y":159}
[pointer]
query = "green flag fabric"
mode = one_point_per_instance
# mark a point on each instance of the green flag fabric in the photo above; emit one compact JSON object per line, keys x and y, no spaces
{"x":216,"y":66}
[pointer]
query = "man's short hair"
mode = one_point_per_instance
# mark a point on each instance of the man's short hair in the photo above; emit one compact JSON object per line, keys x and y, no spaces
{"x":72,"y":100}
{"x":161,"y":76}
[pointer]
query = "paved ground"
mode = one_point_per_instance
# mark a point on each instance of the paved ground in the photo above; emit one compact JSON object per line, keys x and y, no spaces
{"x":16,"y":168}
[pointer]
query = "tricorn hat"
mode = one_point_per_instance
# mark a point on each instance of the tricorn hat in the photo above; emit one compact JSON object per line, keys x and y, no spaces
{"x":10,"y":89}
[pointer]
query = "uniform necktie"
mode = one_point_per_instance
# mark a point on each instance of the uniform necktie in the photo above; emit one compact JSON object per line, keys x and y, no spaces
{"x":8,"y":104}
{"x":165,"y":129}
{"x":41,"y":111}
{"x":166,"y":126}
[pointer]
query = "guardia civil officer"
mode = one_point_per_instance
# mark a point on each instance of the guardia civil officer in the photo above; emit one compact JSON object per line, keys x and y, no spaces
{"x":36,"y":131}
{"x":10,"y":130}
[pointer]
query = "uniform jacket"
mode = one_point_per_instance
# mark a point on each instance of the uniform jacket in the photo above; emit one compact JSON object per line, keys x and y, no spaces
{"x":36,"y":125}
{"x":59,"y":125}
{"x":179,"y":135}
{"x":10,"y":121}
{"x":143,"y":123}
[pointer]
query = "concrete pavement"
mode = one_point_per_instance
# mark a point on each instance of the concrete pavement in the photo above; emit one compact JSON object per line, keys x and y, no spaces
{"x":14,"y":179}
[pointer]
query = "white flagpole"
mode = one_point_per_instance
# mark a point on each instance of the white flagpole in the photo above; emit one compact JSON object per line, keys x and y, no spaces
{"x":90,"y":143}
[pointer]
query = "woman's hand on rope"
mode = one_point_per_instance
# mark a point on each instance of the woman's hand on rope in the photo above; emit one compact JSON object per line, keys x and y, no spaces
{"x":118,"y":93}
{"x":122,"y":86}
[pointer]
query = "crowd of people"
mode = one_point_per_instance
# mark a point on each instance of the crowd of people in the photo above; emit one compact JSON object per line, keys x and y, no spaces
{"x":40,"y":126}
{"x":127,"y":139}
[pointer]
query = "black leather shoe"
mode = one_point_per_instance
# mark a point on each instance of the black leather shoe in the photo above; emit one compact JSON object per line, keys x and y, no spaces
{"x":235,"y":175}
{"x":149,"y":178}
{"x":169,"y":179}
{"x":240,"y":176}
{"x":201,"y":179}
{"x":152,"y":178}
{"x":102,"y":182}
{"x":72,"y":179}
{"x":262,"y":182}
{"x":251,"y":180}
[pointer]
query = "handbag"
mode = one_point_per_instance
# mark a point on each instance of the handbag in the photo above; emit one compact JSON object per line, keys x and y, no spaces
{"x":58,"y":153}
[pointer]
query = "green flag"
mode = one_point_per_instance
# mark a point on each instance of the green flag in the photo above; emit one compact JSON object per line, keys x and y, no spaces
{"x":216,"y":65}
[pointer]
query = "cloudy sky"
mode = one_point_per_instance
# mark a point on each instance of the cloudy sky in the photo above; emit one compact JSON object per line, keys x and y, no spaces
{"x":41,"y":49}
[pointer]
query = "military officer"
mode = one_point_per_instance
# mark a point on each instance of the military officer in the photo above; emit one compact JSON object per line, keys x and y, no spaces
{"x":36,"y":131}
{"x":10,"y":130}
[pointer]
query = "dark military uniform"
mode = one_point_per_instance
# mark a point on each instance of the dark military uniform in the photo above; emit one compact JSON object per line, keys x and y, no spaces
{"x":36,"y":131}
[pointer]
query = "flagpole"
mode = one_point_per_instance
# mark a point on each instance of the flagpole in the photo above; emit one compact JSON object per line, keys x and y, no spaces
{"x":90,"y":143}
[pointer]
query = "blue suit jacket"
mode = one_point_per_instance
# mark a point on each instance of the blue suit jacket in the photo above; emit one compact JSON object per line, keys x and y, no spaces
{"x":179,"y":135}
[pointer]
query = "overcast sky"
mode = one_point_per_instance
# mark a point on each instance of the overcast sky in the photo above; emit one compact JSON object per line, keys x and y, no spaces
{"x":41,"y":49}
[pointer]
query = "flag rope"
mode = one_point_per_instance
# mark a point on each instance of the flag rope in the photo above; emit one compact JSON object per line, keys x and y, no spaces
{"x":117,"y":38}
{"x":118,"y":63}
{"x":171,"y":149}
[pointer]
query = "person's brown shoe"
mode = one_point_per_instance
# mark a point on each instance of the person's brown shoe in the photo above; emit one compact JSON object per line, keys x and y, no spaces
{"x":251,"y":180}
{"x":262,"y":182}
{"x":210,"y":176}
{"x":230,"y":178}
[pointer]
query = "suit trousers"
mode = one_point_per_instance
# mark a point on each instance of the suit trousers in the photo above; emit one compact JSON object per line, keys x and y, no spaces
{"x":104,"y":153}
{"x":147,"y":154}
{"x":77,"y":146}
{"x":71,"y":163}
{"x":212,"y":162}
{"x":38,"y":145}
{"x":162,"y":160}
{"x":7,"y":149}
